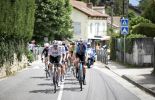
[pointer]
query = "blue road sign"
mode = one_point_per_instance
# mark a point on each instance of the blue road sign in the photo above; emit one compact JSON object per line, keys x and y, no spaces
{"x":124,"y":30}
{"x":124,"y":26}
{"x":124,"y":22}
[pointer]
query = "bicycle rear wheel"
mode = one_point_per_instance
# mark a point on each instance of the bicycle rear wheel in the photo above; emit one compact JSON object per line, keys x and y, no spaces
{"x":80,"y":76}
{"x":55,"y":80}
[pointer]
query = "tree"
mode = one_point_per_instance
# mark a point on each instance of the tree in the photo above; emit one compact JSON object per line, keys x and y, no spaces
{"x":131,"y":15}
{"x":147,"y":29}
{"x":53,"y":19}
{"x":143,"y":4}
{"x":149,"y":12}
{"x":135,"y":21}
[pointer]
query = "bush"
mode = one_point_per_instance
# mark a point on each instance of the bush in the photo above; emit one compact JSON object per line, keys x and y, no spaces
{"x":135,"y":36}
{"x":30,"y":56}
{"x":17,"y":19}
{"x":135,"y":21}
{"x":16,"y":28}
{"x":147,"y":29}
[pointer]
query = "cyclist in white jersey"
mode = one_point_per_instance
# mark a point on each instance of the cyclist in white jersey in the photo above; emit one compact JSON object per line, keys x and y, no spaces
{"x":63,"y":52}
{"x":55,"y":56}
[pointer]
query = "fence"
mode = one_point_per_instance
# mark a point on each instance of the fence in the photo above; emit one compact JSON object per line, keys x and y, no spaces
{"x":102,"y":55}
{"x":139,"y":52}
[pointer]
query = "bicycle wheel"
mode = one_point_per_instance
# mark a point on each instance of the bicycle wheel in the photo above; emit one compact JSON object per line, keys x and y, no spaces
{"x":80,"y":76}
{"x":54,"y":80}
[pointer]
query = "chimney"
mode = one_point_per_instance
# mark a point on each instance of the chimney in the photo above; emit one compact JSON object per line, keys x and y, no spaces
{"x":90,"y":5}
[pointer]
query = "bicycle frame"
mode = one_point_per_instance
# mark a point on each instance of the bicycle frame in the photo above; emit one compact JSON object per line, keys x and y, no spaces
{"x":80,"y":74}
{"x":55,"y":76}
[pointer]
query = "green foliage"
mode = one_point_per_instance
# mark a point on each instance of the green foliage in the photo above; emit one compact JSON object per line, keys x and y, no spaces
{"x":135,"y":21}
{"x":10,"y":47}
{"x":143,"y":4}
{"x":53,"y":19}
{"x":16,"y":28}
{"x":112,"y":49}
{"x":30,"y":56}
{"x":17,"y":19}
{"x":149,"y":12}
{"x":131,"y":15}
{"x":147,"y":29}
{"x":113,"y":38}
{"x":135,"y":36}
{"x":118,"y":7}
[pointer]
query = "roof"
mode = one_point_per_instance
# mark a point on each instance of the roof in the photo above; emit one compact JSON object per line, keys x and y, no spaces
{"x":116,"y":21}
{"x":81,"y":6}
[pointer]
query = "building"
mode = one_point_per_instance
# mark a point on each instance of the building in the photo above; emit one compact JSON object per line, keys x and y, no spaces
{"x":89,"y":23}
{"x":116,"y":23}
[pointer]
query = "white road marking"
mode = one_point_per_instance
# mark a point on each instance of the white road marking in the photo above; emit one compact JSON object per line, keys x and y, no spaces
{"x":61,"y":91}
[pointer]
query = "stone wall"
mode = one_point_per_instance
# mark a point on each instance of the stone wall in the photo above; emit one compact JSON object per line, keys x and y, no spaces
{"x":142,"y":52}
{"x":8,"y":69}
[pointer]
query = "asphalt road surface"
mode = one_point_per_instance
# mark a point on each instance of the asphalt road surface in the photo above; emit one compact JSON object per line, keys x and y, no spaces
{"x":31,"y":84}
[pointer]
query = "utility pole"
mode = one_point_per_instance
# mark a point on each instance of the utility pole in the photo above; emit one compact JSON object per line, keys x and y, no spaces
{"x":125,"y":8}
{"x":112,"y":6}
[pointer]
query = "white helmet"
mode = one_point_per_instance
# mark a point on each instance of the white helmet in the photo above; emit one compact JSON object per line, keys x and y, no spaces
{"x":46,"y":45}
{"x":59,"y":42}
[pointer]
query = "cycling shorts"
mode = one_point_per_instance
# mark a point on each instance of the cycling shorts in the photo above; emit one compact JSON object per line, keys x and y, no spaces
{"x":81,"y":57}
{"x":55,"y":59}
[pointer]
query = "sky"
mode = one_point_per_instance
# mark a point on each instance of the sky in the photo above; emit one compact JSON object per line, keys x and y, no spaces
{"x":134,"y":2}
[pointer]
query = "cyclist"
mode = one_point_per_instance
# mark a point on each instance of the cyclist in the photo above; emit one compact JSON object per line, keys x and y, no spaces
{"x":55,"y":56}
{"x":90,"y":54}
{"x":45,"y":53}
{"x":80,"y":53}
{"x":66,"y":55}
{"x":63,"y":52}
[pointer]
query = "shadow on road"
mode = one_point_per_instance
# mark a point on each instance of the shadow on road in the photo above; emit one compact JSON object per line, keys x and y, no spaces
{"x":73,"y":89}
{"x":70,"y":79}
{"x":71,"y":82}
{"x":46,"y":91}
{"x":38,"y":77}
{"x":45,"y":84}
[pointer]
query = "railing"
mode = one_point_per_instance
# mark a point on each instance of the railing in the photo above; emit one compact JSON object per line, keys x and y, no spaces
{"x":102,"y":55}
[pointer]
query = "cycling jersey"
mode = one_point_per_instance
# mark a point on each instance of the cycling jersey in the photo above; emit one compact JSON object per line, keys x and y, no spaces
{"x":55,"y":52}
{"x":45,"y":52}
{"x":63,"y":51}
{"x":81,"y":49}
{"x":90,"y":52}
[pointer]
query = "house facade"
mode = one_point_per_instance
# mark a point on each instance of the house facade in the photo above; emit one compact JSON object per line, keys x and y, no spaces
{"x":89,"y":22}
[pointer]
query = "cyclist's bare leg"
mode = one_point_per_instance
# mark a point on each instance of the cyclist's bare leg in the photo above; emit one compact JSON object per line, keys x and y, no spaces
{"x":46,"y":63}
{"x":59,"y":75}
{"x":62,"y":72}
{"x":50,"y":67}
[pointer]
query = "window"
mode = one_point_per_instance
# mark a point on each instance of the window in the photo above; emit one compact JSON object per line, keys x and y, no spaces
{"x":97,"y":25}
{"x":91,"y":28}
{"x":77,"y":27}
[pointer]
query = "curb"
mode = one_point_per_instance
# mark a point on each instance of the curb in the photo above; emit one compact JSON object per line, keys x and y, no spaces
{"x":133,"y":82}
{"x":139,"y":86}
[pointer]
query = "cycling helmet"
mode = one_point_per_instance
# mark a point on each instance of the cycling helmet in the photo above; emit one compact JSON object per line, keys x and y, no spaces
{"x":46,"y":45}
{"x":88,"y":44}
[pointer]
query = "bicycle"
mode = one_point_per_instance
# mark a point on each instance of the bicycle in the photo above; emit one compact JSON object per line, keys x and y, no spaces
{"x":55,"y":76}
{"x":46,"y":69}
{"x":80,"y":74}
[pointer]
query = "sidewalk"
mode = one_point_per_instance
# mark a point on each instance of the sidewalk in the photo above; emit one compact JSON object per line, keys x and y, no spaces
{"x":141,"y":77}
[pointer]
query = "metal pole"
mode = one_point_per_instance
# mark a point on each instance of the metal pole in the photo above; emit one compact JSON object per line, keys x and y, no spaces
{"x":123,"y":8}
{"x":124,"y":48}
{"x":111,"y":13}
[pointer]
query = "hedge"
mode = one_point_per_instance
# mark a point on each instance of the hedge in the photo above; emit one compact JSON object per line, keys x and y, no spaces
{"x":17,"y":19}
{"x":147,"y":29}
{"x":16,"y":28}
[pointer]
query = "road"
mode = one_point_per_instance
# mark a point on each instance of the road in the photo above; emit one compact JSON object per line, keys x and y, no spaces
{"x":31,"y":84}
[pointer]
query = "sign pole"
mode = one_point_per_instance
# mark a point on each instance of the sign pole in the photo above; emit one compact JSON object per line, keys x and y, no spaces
{"x":124,"y":49}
